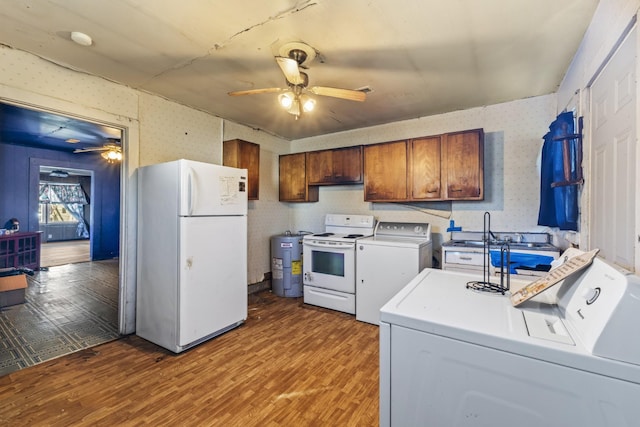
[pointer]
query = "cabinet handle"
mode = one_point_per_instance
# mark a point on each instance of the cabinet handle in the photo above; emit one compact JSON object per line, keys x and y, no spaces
{"x":432,"y":191}
{"x":466,"y":258}
{"x":455,"y":190}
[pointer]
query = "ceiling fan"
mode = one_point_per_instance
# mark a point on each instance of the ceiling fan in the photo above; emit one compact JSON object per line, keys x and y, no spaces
{"x":110,"y":151}
{"x":295,"y":99}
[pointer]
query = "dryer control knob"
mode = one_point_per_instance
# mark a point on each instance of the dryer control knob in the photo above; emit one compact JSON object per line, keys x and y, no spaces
{"x":591,"y":295}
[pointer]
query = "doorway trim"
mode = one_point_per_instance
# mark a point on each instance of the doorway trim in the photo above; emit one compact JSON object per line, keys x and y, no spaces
{"x":128,"y":185}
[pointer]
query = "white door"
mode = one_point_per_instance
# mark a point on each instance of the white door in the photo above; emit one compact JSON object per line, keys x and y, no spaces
{"x":613,"y":178}
{"x":213,"y":275}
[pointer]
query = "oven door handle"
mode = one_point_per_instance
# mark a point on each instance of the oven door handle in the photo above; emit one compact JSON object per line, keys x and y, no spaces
{"x":335,"y":248}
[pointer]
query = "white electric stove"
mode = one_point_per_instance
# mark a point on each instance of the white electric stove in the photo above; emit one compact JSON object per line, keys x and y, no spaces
{"x":450,"y":356}
{"x":329,"y":262}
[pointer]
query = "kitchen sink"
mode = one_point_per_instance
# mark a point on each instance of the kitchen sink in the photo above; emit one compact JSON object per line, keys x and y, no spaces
{"x":512,"y":245}
{"x":529,"y":245}
{"x":473,"y":243}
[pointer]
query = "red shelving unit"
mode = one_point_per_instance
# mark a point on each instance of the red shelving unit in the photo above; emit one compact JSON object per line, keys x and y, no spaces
{"x":20,"y":249}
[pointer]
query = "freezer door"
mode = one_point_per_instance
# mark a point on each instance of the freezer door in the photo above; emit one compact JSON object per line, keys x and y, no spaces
{"x":213,"y":275}
{"x":208,"y":189}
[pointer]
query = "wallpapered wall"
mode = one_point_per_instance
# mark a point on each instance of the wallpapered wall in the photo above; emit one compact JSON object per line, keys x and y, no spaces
{"x":170,"y":131}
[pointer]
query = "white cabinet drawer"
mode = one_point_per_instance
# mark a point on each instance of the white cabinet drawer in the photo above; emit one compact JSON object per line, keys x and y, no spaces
{"x":463,"y":257}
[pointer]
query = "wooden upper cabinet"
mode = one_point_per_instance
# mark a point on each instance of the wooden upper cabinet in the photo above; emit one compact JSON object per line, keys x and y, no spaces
{"x":463,"y":165}
{"x":320,"y":167}
{"x":294,"y":183}
{"x":385,"y":172}
{"x":441,"y":167}
{"x":337,"y":166}
{"x":425,"y":171}
{"x":429,"y":168}
{"x":244,"y":155}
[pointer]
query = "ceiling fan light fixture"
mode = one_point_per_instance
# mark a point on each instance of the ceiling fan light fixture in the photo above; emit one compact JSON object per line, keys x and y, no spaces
{"x":286,"y":99}
{"x":295,"y":107}
{"x":59,"y":173}
{"x":111,"y":155}
{"x":308,"y":103}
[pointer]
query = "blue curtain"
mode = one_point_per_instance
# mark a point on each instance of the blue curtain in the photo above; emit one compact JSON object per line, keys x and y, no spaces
{"x":559,"y":204}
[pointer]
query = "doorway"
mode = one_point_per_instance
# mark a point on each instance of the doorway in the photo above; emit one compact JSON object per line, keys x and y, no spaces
{"x":76,"y":301}
{"x":64,"y":215}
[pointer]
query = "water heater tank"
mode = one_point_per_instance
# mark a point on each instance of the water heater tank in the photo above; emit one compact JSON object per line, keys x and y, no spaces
{"x":286,"y":264}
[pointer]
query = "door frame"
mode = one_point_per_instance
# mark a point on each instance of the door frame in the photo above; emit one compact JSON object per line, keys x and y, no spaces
{"x":128,"y":185}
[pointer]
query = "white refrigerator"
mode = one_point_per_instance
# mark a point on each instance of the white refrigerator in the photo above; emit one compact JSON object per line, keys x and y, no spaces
{"x":192,"y":252}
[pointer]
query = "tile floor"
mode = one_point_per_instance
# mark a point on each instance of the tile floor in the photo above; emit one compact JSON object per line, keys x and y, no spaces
{"x":68,"y":308}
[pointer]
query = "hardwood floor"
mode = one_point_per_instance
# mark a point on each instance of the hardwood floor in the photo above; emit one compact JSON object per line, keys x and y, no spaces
{"x":290,"y":364}
{"x":65,"y":252}
{"x":67,"y":308}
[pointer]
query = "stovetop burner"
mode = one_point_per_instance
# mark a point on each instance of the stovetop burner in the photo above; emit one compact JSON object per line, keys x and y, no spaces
{"x":353,"y":236}
{"x":324,"y":234}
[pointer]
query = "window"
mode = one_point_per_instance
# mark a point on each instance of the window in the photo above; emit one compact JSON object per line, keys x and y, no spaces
{"x":63,"y":202}
{"x":48,"y":213}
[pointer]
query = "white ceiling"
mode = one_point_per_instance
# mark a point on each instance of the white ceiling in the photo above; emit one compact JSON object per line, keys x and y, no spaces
{"x":418,"y":57}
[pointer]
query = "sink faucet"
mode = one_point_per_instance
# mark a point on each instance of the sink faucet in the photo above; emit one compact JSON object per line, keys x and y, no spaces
{"x":519,"y":238}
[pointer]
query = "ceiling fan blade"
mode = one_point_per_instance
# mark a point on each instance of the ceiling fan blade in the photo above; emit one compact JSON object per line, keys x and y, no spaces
{"x":255,"y":91}
{"x":351,"y":95}
{"x":290,"y":69}
{"x":106,"y":147}
{"x":90,"y":149}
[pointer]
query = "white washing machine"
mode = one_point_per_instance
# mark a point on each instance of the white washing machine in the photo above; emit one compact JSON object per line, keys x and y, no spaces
{"x":386,"y":262}
{"x":453,"y":357}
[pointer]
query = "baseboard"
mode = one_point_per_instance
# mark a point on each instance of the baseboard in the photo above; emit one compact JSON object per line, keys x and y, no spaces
{"x":261,"y":286}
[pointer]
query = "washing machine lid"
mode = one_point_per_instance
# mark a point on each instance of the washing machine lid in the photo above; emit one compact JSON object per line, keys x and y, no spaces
{"x":396,"y":242}
{"x":438,"y":302}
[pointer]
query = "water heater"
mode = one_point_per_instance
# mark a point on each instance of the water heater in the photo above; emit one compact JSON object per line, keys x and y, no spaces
{"x":286,"y":264}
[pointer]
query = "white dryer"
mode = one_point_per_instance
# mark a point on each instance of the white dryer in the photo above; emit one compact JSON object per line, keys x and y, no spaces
{"x":450,"y":356}
{"x":386,"y":262}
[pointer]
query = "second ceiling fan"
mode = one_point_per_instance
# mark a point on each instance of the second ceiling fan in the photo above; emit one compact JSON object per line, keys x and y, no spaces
{"x":111,"y":151}
{"x":295,"y":99}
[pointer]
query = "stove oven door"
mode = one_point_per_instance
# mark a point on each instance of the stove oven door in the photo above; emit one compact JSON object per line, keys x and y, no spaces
{"x":330,"y":266}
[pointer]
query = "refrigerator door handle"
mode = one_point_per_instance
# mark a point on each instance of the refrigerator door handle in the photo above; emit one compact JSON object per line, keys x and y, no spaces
{"x":190,"y":190}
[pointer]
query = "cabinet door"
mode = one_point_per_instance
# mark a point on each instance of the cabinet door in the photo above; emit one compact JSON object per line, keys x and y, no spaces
{"x":385,"y":172}
{"x":244,"y":155}
{"x":337,"y":166}
{"x":425,"y":168}
{"x":347,"y":165}
{"x":293,"y":179}
{"x":320,"y":168}
{"x":463,"y":165}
